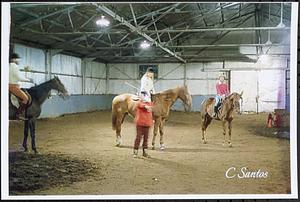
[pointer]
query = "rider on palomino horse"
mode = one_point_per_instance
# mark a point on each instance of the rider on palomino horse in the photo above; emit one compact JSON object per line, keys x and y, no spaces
{"x":14,"y":88}
{"x":222,"y":92}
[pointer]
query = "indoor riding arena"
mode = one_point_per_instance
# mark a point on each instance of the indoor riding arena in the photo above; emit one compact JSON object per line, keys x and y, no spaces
{"x":101,"y":50}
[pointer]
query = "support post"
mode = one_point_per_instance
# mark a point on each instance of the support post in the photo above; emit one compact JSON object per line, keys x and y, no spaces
{"x":184,"y":73}
{"x":48,"y":64}
{"x":83,"y":70}
{"x":106,"y":78}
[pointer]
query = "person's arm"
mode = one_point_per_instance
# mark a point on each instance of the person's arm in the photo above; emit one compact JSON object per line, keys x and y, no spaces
{"x":16,"y":74}
{"x":227,"y":90}
{"x":152,"y":89}
{"x":143,"y":84}
{"x":141,"y":105}
{"x":218,"y":89}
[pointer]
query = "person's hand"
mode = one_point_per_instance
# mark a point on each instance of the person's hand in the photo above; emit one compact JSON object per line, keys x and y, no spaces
{"x":26,"y":68}
{"x":148,"y":108}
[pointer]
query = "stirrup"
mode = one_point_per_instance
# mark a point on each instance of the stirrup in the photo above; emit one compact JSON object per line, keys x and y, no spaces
{"x":20,"y":117}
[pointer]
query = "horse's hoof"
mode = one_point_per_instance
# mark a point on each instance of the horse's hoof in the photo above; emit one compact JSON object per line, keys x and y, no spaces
{"x":153,"y":148}
{"x":230,"y":145}
{"x":35,"y":151}
{"x":162,"y":147}
{"x":25,"y":150}
{"x":118,"y":144}
{"x":204,"y":142}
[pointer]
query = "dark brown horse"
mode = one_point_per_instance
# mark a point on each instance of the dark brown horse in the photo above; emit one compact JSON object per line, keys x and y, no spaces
{"x":229,"y":107}
{"x":126,"y":104}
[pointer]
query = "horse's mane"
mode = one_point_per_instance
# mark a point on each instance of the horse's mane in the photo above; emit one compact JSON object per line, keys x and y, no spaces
{"x":41,"y":84}
{"x":232,"y":94}
{"x":166,"y":93}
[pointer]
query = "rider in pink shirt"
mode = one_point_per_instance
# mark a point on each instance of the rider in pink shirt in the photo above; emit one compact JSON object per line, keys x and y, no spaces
{"x":222,"y":92}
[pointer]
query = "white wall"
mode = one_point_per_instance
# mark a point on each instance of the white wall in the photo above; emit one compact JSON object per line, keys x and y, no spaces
{"x":78,"y":76}
{"x":264,"y":80}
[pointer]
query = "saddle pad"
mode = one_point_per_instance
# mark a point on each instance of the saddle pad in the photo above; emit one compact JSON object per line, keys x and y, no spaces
{"x":14,"y":101}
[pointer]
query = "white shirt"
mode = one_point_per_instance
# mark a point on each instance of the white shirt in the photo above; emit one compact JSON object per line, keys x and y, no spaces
{"x":147,"y":85}
{"x":14,"y":74}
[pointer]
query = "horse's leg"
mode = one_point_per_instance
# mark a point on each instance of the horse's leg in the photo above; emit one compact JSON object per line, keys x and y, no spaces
{"x":155,"y":130}
{"x":118,"y":133}
{"x":120,"y":120}
{"x":25,"y":136}
{"x":203,"y":128}
{"x":206,"y":120}
{"x":32,"y":134}
{"x":229,"y":132}
{"x":161,"y":132}
{"x":224,"y":131}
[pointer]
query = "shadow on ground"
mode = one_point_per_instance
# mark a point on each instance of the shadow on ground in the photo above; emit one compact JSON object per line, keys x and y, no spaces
{"x":30,"y":172}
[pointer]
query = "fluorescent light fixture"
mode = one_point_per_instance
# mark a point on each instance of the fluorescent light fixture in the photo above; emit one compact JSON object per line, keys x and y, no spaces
{"x":102,"y":22}
{"x":145,"y":45}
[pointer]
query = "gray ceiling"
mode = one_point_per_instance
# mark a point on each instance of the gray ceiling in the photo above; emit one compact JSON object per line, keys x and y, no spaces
{"x":179,"y":32}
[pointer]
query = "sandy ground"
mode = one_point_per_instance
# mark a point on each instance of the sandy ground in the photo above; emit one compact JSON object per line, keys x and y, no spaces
{"x":186,"y":166}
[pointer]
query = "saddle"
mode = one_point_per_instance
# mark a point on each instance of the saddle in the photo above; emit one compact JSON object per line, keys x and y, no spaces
{"x":15,"y":101}
{"x":135,"y":98}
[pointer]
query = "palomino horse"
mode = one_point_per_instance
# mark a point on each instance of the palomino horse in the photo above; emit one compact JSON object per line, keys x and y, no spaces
{"x":230,"y":105}
{"x":38,"y":95}
{"x":126,"y":104}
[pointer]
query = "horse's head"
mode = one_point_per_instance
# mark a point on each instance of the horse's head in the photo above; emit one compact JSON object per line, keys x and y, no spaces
{"x":59,"y":86}
{"x":235,"y":99}
{"x":185,"y":96}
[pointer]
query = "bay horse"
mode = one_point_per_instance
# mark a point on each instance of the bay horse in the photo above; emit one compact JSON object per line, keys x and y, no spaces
{"x":162,"y":102}
{"x":38,"y":95}
{"x":229,"y":107}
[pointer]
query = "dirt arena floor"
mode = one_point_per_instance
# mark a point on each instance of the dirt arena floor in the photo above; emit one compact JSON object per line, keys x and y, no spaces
{"x":77,"y":155}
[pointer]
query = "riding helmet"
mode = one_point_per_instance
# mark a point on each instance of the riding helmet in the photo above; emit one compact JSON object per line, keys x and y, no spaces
{"x":14,"y":56}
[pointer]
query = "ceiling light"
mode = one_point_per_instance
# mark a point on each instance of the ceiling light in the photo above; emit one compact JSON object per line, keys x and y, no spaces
{"x":145,"y":45}
{"x":102,"y":22}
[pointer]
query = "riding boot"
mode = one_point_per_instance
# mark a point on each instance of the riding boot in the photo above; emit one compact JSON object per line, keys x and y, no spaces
{"x":145,"y":154}
{"x":215,"y":111}
{"x":20,"y":114}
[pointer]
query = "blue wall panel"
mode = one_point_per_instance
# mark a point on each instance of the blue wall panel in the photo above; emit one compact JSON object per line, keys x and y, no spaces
{"x":196,"y":104}
{"x":56,"y":106}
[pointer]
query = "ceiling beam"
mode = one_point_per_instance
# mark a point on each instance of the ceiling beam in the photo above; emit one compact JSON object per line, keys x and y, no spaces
{"x":227,"y":45}
{"x":37,"y":16}
{"x":161,"y":16}
{"x":135,"y":29}
{"x":70,"y":19}
{"x":48,"y":15}
{"x":231,"y":29}
{"x":224,"y":34}
{"x":133,"y":15}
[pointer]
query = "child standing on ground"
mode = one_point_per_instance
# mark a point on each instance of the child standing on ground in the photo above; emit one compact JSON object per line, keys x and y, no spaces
{"x":144,"y":121}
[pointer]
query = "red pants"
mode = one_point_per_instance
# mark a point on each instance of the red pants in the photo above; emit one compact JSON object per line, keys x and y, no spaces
{"x":141,"y":131}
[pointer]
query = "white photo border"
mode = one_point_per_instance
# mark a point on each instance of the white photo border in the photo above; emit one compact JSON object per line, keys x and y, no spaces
{"x":5,"y":36}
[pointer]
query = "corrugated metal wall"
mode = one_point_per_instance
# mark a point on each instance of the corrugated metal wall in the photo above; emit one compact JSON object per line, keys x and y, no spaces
{"x":263,"y":81}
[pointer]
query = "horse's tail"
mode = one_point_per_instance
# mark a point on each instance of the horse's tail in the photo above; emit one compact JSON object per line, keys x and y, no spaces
{"x":114,"y":116}
{"x":114,"y":120}
{"x":114,"y":109}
